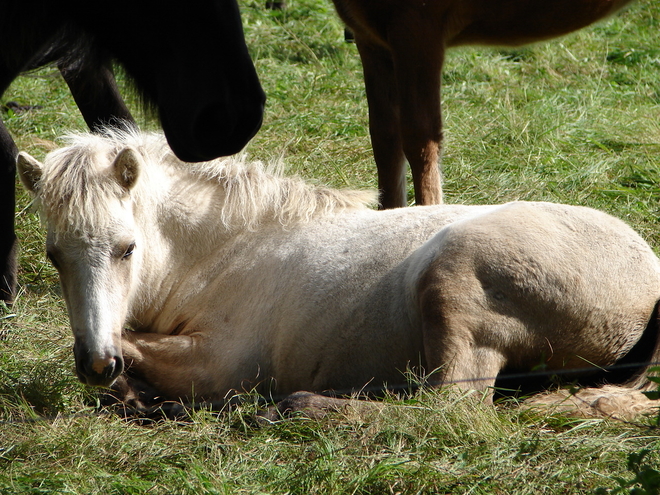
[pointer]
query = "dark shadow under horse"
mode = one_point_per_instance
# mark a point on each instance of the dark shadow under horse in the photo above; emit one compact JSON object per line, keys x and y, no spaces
{"x":190,"y":63}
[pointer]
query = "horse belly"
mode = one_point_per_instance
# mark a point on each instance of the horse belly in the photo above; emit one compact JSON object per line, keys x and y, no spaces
{"x":347,"y":318}
{"x":361,"y":337}
{"x":517,"y":22}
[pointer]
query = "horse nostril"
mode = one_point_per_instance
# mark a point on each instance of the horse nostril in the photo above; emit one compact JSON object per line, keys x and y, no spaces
{"x":100,"y":373}
{"x":112,"y":370}
{"x":119,"y":366}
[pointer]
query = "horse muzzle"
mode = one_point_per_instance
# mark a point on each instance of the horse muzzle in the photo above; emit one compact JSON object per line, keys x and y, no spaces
{"x":214,"y":133}
{"x":217,"y":134}
{"x":97,"y":370}
{"x":201,"y":131}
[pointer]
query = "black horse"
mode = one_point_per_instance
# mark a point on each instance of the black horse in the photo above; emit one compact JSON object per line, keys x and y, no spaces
{"x":188,"y":60}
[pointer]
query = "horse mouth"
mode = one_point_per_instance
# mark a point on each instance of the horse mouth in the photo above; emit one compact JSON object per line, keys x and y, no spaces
{"x":97,"y":381}
{"x":218,"y":130}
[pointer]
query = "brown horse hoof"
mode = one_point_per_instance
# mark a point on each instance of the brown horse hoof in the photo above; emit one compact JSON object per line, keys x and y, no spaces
{"x":312,"y":406}
{"x":130,"y":397}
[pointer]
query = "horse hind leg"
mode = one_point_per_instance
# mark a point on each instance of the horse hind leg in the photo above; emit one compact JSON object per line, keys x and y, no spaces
{"x":456,"y":348}
{"x":625,"y":401}
{"x":384,"y":123}
{"x":455,"y":359}
{"x":316,"y":406}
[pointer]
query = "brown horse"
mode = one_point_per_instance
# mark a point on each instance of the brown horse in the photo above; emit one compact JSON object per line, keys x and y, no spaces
{"x":402,"y":44}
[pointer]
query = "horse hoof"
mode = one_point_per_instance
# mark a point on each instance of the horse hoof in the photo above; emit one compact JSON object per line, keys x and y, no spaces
{"x":129,"y":396}
{"x":307,"y":404}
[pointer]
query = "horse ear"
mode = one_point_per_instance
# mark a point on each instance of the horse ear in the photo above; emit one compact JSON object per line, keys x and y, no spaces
{"x":127,"y":168}
{"x":30,"y":171}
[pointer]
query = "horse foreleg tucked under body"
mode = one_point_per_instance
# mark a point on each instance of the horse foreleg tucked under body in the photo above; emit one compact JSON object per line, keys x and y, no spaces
{"x":162,"y":368}
{"x":175,"y":366}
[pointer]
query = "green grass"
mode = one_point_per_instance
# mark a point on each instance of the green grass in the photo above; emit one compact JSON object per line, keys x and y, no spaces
{"x":574,"y":120}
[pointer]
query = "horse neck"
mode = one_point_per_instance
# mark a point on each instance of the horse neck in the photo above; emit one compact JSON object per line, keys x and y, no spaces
{"x":195,"y":219}
{"x":179,"y":227}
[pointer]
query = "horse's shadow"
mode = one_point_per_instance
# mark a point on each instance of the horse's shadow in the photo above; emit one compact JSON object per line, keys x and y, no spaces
{"x":132,"y":398}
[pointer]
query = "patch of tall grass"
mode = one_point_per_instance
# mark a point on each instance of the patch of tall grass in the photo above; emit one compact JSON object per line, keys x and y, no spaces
{"x":574,"y":120}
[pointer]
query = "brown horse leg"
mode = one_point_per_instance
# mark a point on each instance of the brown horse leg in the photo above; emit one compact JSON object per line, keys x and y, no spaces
{"x":384,"y":124}
{"x":418,"y":71}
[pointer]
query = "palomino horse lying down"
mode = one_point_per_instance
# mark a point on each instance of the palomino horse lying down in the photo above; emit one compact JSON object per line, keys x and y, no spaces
{"x":233,"y":279}
{"x":402,"y":45}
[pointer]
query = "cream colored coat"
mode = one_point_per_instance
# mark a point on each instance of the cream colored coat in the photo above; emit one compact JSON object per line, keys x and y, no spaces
{"x":233,"y":278}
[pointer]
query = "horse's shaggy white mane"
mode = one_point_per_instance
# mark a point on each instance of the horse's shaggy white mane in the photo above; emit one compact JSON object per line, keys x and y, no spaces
{"x":77,"y":186}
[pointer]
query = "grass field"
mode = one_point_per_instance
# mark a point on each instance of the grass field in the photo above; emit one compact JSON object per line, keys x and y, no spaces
{"x":575,"y":120}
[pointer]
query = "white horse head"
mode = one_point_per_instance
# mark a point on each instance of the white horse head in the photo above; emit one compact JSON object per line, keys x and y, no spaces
{"x":92,"y":245}
{"x":124,"y":215}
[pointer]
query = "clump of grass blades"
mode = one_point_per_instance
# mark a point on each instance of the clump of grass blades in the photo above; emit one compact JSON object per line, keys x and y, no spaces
{"x":574,"y":120}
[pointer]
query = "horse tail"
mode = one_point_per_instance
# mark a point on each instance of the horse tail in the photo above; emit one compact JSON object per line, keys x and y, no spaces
{"x":646,"y":350}
{"x":623,"y":396}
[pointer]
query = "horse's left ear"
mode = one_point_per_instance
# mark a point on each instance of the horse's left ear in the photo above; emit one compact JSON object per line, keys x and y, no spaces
{"x":127,"y":167}
{"x":30,"y":171}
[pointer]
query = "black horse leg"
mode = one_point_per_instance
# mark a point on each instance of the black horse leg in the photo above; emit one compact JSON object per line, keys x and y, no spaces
{"x":8,"y":242}
{"x":95,"y":91}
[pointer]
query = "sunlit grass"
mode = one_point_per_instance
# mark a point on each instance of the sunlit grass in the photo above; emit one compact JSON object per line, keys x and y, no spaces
{"x":574,"y":120}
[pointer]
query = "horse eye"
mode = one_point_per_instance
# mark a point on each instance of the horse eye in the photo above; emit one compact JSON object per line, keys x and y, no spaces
{"x":129,"y":251}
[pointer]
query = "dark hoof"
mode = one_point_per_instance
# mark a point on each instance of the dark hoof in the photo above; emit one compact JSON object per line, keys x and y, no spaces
{"x":132,"y":398}
{"x":307,"y":404}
